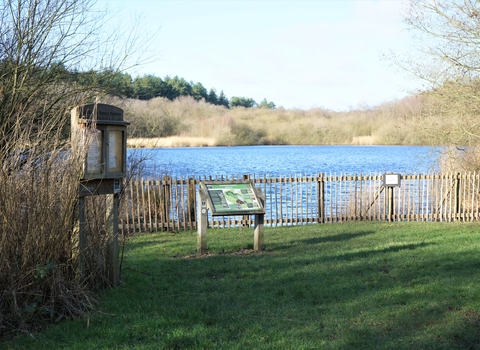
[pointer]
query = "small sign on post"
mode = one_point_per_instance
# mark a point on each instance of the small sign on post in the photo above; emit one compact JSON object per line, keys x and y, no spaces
{"x":390,"y":181}
{"x":229,"y":198}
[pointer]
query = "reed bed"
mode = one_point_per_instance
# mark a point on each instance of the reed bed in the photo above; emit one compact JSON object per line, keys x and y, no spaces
{"x":186,"y":118}
{"x":172,"y":141}
{"x":39,"y":276}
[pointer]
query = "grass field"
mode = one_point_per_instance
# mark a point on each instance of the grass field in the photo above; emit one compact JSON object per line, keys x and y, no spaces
{"x":331,"y":286}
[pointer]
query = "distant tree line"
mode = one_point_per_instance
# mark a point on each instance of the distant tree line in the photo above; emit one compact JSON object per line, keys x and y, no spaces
{"x":150,"y":86}
{"x":144,"y":87}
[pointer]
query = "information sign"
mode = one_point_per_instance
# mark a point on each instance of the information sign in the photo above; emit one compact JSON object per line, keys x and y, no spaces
{"x":94,"y":153}
{"x":233,"y":198}
{"x":391,"y":180}
{"x":115,"y":144}
{"x":229,"y":198}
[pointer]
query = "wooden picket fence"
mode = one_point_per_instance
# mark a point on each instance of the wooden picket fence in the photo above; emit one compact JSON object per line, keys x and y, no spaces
{"x":170,"y":203}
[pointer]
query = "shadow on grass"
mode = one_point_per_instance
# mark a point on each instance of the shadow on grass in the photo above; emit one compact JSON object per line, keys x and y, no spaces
{"x":334,"y":238}
{"x":348,"y":301}
{"x":369,"y":252}
{"x":238,"y":300}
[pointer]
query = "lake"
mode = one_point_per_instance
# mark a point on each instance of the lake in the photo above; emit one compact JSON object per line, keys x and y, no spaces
{"x":282,"y":160}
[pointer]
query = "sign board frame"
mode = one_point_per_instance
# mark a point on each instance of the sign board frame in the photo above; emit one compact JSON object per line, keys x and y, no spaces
{"x":391,"y":180}
{"x":232,"y":198}
{"x":215,"y":196}
{"x":100,"y":132}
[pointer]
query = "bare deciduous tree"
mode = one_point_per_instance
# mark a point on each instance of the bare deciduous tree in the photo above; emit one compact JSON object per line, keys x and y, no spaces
{"x":446,"y":56}
{"x":447,"y":37}
{"x":44,"y":46}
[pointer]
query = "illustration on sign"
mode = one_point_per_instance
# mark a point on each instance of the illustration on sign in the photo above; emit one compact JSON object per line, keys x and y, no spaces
{"x":233,"y":197}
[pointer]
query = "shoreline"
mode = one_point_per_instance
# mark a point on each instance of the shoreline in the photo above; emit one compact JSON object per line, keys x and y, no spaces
{"x":186,"y":141}
{"x":172,"y":141}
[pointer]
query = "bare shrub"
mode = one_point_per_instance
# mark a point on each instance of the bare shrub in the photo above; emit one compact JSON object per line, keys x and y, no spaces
{"x":42,"y":44}
{"x":38,"y":199}
{"x":459,"y":159}
{"x":39,"y":265}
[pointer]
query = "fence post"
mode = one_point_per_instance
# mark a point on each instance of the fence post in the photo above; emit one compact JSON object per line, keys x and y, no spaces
{"x":321,"y":198}
{"x":246,"y":218}
{"x":111,"y":228}
{"x":202,"y":222}
{"x":78,"y":238}
{"x":457,"y":192}
{"x":166,"y":195}
{"x":390,"y":203}
{"x":191,"y":202}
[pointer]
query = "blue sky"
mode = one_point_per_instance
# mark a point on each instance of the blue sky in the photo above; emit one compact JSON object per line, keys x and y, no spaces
{"x":298,"y":54}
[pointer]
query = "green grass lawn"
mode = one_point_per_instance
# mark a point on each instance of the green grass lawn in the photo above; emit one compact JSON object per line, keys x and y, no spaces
{"x":331,"y":286}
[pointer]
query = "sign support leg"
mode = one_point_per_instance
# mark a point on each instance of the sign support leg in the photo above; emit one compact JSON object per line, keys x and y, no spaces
{"x":258,"y":233}
{"x":81,"y":236}
{"x":111,"y":228}
{"x":202,"y":237}
{"x":202,"y":223}
{"x":390,"y":203}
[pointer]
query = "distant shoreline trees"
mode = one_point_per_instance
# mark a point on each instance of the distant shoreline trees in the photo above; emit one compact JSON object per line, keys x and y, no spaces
{"x":149,"y":86}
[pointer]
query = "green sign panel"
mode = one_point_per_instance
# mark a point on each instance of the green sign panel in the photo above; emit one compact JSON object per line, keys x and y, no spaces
{"x":233,"y":198}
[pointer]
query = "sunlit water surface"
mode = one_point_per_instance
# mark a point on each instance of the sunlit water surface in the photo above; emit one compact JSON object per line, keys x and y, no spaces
{"x":283,"y":160}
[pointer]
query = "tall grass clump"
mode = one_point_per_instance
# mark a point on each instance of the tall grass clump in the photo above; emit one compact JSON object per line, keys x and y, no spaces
{"x":53,"y":54}
{"x":38,"y":205}
{"x":40,"y":276}
{"x":40,"y":280}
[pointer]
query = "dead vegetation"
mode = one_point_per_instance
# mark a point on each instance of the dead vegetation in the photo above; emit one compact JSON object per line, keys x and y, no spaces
{"x":185,"y":122}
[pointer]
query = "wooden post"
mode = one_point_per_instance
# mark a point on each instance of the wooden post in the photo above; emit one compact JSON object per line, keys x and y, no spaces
{"x":390,"y":203}
{"x":246,"y":218}
{"x":259,"y":223}
{"x":258,"y":232}
{"x":78,"y":239}
{"x":321,"y":199}
{"x":191,"y":202}
{"x":202,"y":222}
{"x":111,"y":229}
{"x":457,"y":193}
{"x":166,"y":194}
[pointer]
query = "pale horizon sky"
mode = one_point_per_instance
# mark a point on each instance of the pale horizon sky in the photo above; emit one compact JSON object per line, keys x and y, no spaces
{"x":298,"y":54}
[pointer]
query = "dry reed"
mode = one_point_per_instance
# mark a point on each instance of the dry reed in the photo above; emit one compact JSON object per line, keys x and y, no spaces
{"x":184,"y":119}
{"x":39,"y":278}
{"x":172,"y":141}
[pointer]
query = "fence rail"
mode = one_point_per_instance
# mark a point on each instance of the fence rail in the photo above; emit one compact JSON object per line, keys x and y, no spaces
{"x":170,"y":203}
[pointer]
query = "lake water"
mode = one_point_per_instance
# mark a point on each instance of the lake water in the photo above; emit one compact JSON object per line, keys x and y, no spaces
{"x":283,"y":160}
